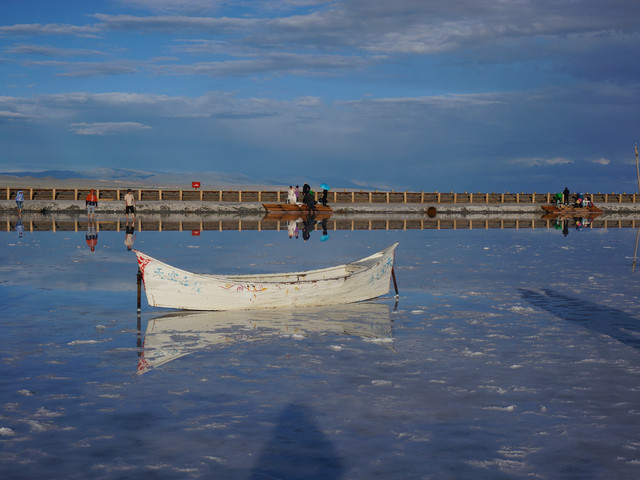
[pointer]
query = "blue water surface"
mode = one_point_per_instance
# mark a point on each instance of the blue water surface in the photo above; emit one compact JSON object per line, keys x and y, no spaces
{"x":510,"y":354}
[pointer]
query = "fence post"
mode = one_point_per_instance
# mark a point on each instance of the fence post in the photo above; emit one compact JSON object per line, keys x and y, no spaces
{"x":438,"y":197}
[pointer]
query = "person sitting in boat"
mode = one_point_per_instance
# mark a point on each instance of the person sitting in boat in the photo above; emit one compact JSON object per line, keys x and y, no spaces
{"x":558,"y":197}
{"x":307,"y":198}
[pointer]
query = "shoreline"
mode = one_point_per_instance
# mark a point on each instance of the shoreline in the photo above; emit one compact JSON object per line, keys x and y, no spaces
{"x":77,"y":208}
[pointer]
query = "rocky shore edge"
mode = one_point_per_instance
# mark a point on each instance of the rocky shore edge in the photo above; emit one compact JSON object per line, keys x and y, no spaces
{"x":71,"y":207}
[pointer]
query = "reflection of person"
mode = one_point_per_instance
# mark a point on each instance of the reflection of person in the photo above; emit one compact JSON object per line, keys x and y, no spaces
{"x":292,"y":227}
{"x":91,"y":202}
{"x":566,"y":194}
{"x":19,"y":201}
{"x":19,"y":227}
{"x":565,"y":227}
{"x":130,"y":235}
{"x":130,"y":204}
{"x":92,"y":235}
{"x":307,"y":225}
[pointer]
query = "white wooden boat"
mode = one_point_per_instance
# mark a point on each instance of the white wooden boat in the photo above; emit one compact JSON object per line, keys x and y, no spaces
{"x":171,"y":287}
{"x":179,"y":334}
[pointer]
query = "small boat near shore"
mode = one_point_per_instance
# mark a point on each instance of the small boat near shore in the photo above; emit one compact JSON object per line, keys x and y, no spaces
{"x":170,"y":287}
{"x":572,"y":210}
{"x":293,"y":207}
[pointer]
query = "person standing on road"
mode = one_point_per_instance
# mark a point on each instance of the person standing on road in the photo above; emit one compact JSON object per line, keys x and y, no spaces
{"x":91,"y":203}
{"x":19,"y":201}
{"x":130,"y":204}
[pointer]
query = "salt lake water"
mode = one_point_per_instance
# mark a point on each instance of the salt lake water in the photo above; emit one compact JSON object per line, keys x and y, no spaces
{"x":510,"y":354}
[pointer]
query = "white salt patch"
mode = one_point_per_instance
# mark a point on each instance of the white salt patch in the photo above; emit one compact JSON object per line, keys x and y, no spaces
{"x":6,"y":432}
{"x":468,"y":353}
{"x":26,"y":393}
{"x":379,"y":340}
{"x":87,"y":342}
{"x":43,"y":412}
{"x":520,"y":309}
{"x":193,"y":246}
{"x":36,"y":426}
{"x":380,"y":383}
{"x":335,"y":347}
{"x":219,"y":460}
{"x":416,"y":312}
{"x":510,"y":408}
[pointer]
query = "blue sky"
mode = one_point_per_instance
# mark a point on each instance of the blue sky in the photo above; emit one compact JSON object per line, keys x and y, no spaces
{"x":411,"y":94}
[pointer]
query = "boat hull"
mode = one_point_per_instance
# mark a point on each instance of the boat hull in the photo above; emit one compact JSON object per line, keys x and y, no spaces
{"x":170,"y":287}
{"x":570,"y":209}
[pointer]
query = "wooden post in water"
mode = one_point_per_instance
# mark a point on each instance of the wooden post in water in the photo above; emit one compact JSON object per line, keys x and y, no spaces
{"x":139,"y":282}
{"x":637,"y":168}
{"x":395,"y":284}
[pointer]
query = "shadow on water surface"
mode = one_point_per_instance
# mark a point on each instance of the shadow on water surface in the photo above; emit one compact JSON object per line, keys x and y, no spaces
{"x":615,"y":323}
{"x":297,"y":449}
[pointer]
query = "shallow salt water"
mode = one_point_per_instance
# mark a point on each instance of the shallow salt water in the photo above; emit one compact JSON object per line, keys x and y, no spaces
{"x":510,"y":354}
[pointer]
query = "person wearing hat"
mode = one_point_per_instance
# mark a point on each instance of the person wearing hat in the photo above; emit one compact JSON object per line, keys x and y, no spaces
{"x":130,"y":204}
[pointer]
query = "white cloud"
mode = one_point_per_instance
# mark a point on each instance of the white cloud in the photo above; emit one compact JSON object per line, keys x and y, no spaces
{"x":600,"y":161}
{"x":107,"y":128}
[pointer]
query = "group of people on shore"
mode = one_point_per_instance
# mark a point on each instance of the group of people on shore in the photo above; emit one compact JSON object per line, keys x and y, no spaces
{"x":579,"y":199}
{"x":91,"y":202}
{"x":308,"y":197}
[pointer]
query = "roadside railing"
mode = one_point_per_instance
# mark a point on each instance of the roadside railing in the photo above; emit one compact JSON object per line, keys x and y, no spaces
{"x":277,"y":196}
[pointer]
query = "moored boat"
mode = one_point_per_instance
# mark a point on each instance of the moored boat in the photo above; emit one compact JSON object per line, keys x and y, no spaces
{"x":572,"y":209}
{"x":170,"y":287}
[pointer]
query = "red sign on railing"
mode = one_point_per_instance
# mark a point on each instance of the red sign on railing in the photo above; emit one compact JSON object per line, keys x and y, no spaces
{"x":195,"y":185}
{"x":195,"y":233}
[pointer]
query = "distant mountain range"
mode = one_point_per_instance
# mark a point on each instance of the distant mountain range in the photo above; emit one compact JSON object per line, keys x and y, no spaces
{"x":119,"y":177}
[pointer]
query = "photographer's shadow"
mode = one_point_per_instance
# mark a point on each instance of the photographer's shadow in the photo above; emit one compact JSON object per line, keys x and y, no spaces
{"x":297,"y":449}
{"x":609,"y":321}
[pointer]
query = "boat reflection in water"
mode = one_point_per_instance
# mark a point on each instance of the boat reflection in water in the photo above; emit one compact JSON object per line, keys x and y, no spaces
{"x":176,"y":335}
